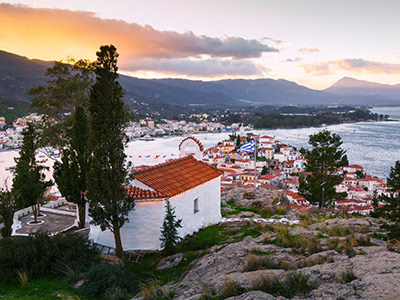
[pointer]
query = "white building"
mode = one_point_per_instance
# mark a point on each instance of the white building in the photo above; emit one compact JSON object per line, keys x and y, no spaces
{"x":191,"y":186}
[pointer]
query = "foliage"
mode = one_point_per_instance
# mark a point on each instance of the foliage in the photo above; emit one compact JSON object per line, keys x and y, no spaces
{"x":152,"y":290}
{"x":104,"y":279}
{"x":68,"y":88}
{"x":44,"y":289}
{"x":346,"y":276}
{"x":254,"y":263}
{"x":71,"y":173}
{"x":7,"y":209}
{"x":391,"y":205}
{"x":169,"y":230}
{"x":41,"y":255}
{"x":109,"y":204}
{"x":29,"y":182}
{"x":231,"y":288}
{"x":295,"y":284}
{"x":323,"y":160}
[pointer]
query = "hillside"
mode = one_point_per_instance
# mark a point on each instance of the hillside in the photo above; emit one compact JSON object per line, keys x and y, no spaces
{"x":354,"y":87}
{"x":18,"y":74}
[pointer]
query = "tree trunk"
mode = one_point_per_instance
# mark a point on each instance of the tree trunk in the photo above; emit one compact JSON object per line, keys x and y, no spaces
{"x":38,"y":208}
{"x":34,"y":210}
{"x":118,"y":245}
{"x":82,"y":215}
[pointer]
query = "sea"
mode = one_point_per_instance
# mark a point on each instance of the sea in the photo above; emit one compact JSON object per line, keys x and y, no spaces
{"x":374,"y":145}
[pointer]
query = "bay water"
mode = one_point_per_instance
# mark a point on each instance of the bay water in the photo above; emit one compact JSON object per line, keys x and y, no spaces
{"x":374,"y":145}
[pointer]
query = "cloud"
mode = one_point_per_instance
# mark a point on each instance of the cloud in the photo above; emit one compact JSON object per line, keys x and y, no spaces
{"x":198,"y":67}
{"x":293,"y":59}
{"x":357,"y":65}
{"x":64,"y":32}
{"x":306,"y":49}
{"x":279,"y":42}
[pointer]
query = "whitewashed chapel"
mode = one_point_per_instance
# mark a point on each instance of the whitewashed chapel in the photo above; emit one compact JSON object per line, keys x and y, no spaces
{"x":191,"y":186}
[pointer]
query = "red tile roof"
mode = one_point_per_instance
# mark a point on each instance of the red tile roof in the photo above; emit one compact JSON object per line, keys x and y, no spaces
{"x":138,"y":193}
{"x":177,"y":176}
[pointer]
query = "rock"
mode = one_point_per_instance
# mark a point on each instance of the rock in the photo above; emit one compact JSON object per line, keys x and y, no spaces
{"x":111,"y":260}
{"x":255,"y":295}
{"x":372,"y":274}
{"x":78,"y":284}
{"x":169,"y":262}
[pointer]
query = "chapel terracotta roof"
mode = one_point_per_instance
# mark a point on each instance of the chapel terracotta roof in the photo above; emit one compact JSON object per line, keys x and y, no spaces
{"x":138,"y":193}
{"x":177,"y":175}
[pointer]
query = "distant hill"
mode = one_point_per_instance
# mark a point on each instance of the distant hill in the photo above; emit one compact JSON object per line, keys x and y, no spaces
{"x":18,"y":74}
{"x":350,"y":86}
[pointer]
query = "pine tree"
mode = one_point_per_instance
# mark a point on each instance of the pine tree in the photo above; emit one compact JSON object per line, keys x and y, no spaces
{"x":29,"y":182}
{"x":109,"y":204}
{"x":169,"y":230}
{"x":67,"y":89}
{"x":323,"y":160}
{"x":389,"y":207}
{"x":71,"y":174}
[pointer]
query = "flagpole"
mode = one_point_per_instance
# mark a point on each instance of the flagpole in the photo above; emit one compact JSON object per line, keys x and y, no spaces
{"x":255,"y":168}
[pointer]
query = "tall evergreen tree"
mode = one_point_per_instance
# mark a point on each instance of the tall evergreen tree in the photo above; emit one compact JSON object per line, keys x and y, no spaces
{"x":29,"y":182}
{"x":169,"y":230}
{"x":7,"y":209}
{"x":323,"y":160}
{"x":71,"y":173}
{"x":109,"y":204}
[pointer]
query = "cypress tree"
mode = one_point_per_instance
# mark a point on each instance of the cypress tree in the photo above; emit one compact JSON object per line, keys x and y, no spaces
{"x":71,"y":174}
{"x":7,"y":209}
{"x":169,"y":230}
{"x":29,"y":182}
{"x":109,"y":204}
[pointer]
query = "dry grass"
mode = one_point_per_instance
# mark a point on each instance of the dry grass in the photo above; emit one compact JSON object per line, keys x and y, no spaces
{"x":23,"y":278}
{"x":254,"y":263}
{"x":265,"y":282}
{"x":152,"y":290}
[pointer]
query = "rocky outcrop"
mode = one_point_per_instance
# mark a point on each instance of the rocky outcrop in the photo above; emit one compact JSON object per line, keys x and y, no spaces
{"x":371,"y":272}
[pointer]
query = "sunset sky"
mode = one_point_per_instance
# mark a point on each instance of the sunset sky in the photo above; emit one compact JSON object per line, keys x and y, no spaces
{"x":312,"y":42}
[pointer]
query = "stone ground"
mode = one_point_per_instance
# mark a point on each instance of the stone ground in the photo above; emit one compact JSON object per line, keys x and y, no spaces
{"x":376,"y":270}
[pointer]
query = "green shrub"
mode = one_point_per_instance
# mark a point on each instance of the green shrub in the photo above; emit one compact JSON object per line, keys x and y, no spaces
{"x":346,"y":276}
{"x":41,"y":256}
{"x":281,"y":210}
{"x":266,"y":212}
{"x":103,"y":279}
{"x":298,"y":284}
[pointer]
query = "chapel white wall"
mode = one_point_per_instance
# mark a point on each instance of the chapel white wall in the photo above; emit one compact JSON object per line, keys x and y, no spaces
{"x":144,"y":229}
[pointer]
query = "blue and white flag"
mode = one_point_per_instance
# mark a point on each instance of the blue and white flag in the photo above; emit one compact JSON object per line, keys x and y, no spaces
{"x":248,"y":147}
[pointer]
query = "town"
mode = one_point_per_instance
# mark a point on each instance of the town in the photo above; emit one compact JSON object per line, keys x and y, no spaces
{"x":278,"y":167}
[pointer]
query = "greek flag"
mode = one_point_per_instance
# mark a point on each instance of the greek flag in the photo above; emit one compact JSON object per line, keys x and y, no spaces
{"x":248,"y":147}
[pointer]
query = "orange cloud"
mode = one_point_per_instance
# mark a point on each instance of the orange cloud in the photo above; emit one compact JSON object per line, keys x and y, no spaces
{"x":54,"y":34}
{"x":357,"y":65}
{"x":306,"y":49}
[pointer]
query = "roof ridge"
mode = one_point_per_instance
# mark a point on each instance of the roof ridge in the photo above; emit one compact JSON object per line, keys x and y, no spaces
{"x":168,"y":162}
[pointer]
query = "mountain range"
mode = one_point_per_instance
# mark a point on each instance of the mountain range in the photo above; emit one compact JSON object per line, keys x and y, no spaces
{"x":18,"y":74}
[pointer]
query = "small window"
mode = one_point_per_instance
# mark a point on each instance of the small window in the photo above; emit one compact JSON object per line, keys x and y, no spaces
{"x":196,"y":205}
